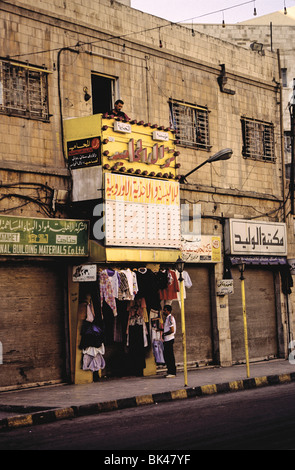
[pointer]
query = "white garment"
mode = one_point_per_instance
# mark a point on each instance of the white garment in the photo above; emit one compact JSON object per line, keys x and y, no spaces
{"x":187,"y":283}
{"x":89,"y":312}
{"x":93,"y":358}
{"x":115,"y":282}
{"x":132,"y":282}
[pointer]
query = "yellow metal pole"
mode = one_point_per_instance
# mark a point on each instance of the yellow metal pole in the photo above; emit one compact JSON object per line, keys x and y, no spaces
{"x":183,"y":330}
{"x":245,"y":323}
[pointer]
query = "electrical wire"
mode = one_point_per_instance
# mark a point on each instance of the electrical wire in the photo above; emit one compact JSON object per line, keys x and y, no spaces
{"x":111,"y":38}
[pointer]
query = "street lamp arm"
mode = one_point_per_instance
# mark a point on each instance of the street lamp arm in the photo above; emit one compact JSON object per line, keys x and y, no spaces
{"x":224,"y":154}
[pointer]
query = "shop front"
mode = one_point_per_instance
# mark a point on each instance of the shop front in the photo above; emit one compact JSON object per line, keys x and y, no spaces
{"x":33,"y":334}
{"x":259,"y":249}
{"x":124,"y":300}
{"x":135,"y":243}
{"x":137,"y":237}
{"x":133,"y":276}
{"x":201,"y":254}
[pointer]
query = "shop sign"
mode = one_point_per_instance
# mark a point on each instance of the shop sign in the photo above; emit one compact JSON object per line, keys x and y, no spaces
{"x":43,"y":237}
{"x":84,"y":153}
{"x":141,"y":212}
{"x":85,"y":273}
{"x":138,"y":149}
{"x":204,"y":249}
{"x":255,"y":238}
{"x":124,"y":127}
{"x":225,"y":287}
{"x":163,"y":136}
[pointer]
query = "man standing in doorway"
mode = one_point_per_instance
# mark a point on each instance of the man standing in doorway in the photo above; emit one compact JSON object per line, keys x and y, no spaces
{"x":117,"y":110}
{"x":168,"y":338}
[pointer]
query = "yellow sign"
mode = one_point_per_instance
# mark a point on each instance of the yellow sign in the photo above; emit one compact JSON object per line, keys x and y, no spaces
{"x":123,"y":188}
{"x":206,"y":249}
{"x":138,"y":149}
{"x":141,"y":212}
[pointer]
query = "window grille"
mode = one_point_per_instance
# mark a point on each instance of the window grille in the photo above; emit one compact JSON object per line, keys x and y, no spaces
{"x":258,"y":140}
{"x":23,"y":91}
{"x":191,"y":124}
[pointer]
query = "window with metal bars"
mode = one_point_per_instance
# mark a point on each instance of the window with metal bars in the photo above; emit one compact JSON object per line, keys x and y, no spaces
{"x":191,"y":124}
{"x":258,"y":140}
{"x":23,"y":91}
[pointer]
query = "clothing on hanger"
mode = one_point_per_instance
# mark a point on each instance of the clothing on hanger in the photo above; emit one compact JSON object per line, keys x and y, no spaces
{"x":123,"y":291}
{"x":132,"y":282}
{"x":187,"y":283}
{"x":93,"y":358}
{"x":162,"y":279}
{"x":147,"y":287}
{"x":106,"y":291}
{"x":90,"y":315}
{"x":158,"y":351}
{"x":115,"y":281}
{"x":170,"y":293}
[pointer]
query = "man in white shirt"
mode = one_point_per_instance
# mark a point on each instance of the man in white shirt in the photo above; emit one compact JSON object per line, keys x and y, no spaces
{"x":168,"y":338}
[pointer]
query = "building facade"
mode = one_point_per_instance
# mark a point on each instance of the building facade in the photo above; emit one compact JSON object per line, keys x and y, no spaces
{"x":66,"y":161}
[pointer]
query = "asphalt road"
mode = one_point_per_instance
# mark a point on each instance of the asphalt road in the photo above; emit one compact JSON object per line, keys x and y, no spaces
{"x":259,"y":419}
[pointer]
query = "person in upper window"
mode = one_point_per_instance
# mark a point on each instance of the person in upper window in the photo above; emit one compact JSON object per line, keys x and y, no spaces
{"x":117,"y":111}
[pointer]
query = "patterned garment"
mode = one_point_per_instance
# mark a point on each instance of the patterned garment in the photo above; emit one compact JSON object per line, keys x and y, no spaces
{"x":106,"y":291}
{"x":123,"y":292}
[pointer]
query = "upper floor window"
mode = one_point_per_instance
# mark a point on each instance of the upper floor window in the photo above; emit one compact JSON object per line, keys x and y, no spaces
{"x":258,"y":140}
{"x":284,"y":77}
{"x":23,"y":91}
{"x":191,"y":124}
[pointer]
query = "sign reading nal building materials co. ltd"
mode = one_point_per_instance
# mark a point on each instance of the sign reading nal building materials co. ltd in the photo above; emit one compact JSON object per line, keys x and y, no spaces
{"x":43,"y":237}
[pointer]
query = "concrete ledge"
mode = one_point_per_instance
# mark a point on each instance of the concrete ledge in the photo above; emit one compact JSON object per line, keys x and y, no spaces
{"x":50,"y":416}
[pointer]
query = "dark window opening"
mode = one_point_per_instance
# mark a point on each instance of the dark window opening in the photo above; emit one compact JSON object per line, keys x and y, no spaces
{"x":284,"y":77}
{"x":102,"y":93}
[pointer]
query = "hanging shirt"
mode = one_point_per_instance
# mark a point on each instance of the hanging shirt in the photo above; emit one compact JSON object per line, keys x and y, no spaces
{"x":187,"y":283}
{"x":115,"y":281}
{"x":123,"y":291}
{"x":137,"y":320}
{"x":147,"y":287}
{"x":170,"y":293}
{"x":106,"y":291}
{"x":132,"y":282}
{"x":90,"y":312}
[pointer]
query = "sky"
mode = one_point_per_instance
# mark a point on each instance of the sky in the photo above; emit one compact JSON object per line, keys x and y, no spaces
{"x":210,"y":11}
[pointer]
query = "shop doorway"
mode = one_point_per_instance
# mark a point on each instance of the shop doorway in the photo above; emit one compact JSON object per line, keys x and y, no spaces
{"x":32,"y":324}
{"x":198,"y":318}
{"x":103,"y":93}
{"x":261,"y":315}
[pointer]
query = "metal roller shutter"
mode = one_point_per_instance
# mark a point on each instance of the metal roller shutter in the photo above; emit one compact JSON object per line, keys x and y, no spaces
{"x":31,"y":323}
{"x":261,"y":315}
{"x":197,"y":318}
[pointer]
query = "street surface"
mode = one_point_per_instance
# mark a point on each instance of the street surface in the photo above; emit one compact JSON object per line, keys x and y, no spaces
{"x":259,"y":419}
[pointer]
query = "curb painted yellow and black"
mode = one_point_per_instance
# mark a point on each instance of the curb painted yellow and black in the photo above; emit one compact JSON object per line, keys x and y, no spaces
{"x":53,"y":415}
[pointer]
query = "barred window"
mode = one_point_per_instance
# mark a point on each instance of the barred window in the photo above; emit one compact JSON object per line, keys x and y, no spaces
{"x":191,"y":124}
{"x":258,"y":140}
{"x":23,"y":91}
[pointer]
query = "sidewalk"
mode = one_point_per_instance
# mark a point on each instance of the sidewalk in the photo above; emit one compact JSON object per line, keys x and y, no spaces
{"x":50,"y":403}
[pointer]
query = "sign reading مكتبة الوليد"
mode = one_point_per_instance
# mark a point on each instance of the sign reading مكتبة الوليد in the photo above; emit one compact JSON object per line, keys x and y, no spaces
{"x":249,"y":237}
{"x":43,"y":237}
